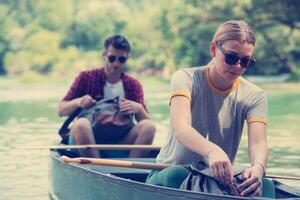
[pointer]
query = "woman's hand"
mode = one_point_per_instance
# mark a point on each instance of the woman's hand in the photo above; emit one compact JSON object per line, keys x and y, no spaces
{"x":220,"y":166}
{"x":86,"y":101}
{"x":252,"y":181}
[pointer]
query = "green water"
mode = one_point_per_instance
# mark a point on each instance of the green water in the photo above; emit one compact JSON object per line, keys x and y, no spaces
{"x":28,"y":117}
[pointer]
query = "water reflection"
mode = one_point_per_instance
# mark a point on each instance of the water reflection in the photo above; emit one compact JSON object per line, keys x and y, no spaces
{"x":24,"y":173}
{"x":282,"y":161}
{"x":27,"y":111}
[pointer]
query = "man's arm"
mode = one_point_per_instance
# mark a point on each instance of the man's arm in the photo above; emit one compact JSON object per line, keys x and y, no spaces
{"x":142,"y":114}
{"x":132,"y":107}
{"x":258,"y":155}
{"x":66,"y":108}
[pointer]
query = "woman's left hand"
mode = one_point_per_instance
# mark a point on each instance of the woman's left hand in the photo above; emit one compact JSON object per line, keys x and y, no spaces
{"x":252,"y":181}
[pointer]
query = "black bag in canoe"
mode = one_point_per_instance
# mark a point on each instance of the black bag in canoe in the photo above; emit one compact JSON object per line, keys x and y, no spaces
{"x":200,"y":179}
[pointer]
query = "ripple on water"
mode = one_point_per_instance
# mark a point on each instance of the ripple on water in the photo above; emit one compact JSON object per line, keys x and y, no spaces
{"x":24,"y":173}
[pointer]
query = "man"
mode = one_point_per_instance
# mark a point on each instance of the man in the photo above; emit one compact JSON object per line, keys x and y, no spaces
{"x":106,"y":83}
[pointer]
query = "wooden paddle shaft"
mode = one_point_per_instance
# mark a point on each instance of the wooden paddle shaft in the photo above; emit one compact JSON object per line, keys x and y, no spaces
{"x":92,"y":146}
{"x":139,"y":165}
{"x":114,"y":163}
{"x":283,"y":177}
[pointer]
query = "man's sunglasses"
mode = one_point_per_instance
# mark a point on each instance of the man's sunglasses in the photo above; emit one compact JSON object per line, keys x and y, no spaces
{"x":112,"y":59}
{"x":233,"y":58}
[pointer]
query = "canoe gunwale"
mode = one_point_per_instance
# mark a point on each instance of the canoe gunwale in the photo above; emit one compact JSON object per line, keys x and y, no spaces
{"x":135,"y":185}
{"x":143,"y":186}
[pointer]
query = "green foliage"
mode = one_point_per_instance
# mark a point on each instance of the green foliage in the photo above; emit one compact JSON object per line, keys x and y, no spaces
{"x":61,"y":37}
{"x":38,"y":53}
{"x":95,"y":21}
{"x":277,"y":23}
{"x":4,"y":42}
{"x":194,"y":22}
{"x":53,"y":15}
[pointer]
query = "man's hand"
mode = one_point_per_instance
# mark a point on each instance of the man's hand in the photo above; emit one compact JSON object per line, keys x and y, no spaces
{"x":130,"y":107}
{"x":252,"y":184}
{"x":220,"y":165}
{"x":86,"y":101}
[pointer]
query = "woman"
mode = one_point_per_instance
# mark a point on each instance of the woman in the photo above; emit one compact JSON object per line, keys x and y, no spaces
{"x":208,"y":107}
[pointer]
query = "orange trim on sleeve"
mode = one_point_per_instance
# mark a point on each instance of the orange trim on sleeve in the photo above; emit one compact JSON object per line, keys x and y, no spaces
{"x":262,"y":120}
{"x":180,"y":93}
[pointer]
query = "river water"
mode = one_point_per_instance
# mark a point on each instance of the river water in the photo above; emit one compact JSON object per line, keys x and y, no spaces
{"x":28,"y":117}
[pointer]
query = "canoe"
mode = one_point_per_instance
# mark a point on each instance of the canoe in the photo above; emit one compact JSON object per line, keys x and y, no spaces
{"x":91,"y":182}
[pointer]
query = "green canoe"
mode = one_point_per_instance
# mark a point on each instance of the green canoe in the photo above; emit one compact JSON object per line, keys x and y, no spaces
{"x":90,"y":182}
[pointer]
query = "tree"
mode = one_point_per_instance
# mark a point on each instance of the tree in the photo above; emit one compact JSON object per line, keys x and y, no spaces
{"x":4,"y":42}
{"x":165,"y":35}
{"x":39,"y":54}
{"x":277,"y":24}
{"x":94,"y":21}
{"x":188,"y":26}
{"x":52,"y":15}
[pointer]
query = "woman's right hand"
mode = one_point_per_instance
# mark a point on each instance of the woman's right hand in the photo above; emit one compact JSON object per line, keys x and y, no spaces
{"x":86,"y":101}
{"x":220,"y":165}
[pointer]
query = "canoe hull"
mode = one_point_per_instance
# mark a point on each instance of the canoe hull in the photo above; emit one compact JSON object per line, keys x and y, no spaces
{"x":73,"y":181}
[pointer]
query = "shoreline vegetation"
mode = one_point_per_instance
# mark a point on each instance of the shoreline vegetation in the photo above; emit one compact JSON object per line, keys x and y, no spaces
{"x":43,"y":87}
{"x":35,"y":78}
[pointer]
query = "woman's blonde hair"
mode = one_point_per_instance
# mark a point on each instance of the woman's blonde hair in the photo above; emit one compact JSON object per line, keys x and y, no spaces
{"x":234,"y":30}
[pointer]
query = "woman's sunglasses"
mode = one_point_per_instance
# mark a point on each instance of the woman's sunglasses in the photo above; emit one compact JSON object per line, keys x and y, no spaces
{"x":112,"y":59}
{"x":232,"y":58}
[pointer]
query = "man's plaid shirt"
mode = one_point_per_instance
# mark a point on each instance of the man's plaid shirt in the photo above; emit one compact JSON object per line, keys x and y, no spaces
{"x":92,"y":82}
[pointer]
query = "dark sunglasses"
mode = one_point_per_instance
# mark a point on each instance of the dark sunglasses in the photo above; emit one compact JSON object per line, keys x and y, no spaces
{"x":233,"y":58}
{"x":112,"y":59}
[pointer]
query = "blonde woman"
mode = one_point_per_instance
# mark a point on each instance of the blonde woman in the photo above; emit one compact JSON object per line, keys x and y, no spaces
{"x":208,"y":108}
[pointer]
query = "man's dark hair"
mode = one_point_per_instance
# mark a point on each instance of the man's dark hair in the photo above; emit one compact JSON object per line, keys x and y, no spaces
{"x":118,"y":42}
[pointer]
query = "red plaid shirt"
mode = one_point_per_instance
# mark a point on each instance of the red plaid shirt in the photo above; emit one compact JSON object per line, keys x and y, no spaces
{"x":92,"y":82}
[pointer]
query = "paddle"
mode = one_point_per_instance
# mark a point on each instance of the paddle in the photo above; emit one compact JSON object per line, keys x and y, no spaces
{"x":114,"y":163}
{"x":91,"y":146}
{"x":283,"y":177}
{"x":139,"y":165}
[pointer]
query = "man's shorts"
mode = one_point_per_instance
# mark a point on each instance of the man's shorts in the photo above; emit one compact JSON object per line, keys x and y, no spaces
{"x":111,"y":133}
{"x":108,"y":135}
